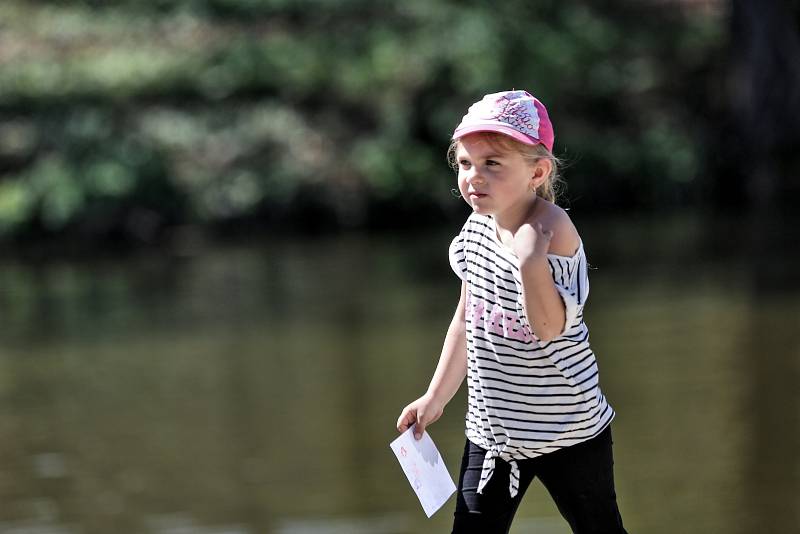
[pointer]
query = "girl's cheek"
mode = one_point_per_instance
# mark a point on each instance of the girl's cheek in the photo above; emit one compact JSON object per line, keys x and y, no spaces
{"x":463,"y":187}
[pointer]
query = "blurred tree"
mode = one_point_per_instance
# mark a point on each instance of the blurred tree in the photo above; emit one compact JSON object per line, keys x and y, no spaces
{"x":762,"y":149}
{"x":123,"y":118}
{"x":762,"y":143}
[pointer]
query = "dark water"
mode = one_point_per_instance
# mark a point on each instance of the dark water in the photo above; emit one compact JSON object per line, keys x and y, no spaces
{"x":253,"y":387}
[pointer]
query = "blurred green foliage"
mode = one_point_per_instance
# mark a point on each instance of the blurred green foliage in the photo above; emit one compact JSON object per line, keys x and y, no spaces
{"x":126,"y":117}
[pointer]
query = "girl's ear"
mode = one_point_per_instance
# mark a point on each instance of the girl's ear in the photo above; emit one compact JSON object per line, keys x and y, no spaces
{"x":541,"y":172}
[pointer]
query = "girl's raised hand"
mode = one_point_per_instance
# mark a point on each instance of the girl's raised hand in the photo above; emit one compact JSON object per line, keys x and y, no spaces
{"x":421,"y":413}
{"x":531,"y":241}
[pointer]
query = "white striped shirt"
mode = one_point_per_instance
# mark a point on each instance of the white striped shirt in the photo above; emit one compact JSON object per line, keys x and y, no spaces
{"x":526,"y":397}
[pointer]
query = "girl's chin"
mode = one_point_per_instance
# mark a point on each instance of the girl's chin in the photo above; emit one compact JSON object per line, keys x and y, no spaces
{"x":480,"y":208}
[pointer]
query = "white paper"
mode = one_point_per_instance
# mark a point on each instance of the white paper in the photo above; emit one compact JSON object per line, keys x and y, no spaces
{"x":425,"y":469}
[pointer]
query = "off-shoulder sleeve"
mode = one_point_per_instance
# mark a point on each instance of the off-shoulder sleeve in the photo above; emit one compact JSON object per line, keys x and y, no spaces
{"x":458,"y":261}
{"x":572,"y":282}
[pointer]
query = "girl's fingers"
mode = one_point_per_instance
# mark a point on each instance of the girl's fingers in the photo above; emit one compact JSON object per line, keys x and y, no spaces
{"x":544,"y":233}
{"x":419,"y":428}
{"x":406,"y":419}
{"x":401,"y":422}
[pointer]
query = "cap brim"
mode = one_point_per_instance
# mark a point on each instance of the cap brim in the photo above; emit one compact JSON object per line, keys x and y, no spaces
{"x":497,"y":128}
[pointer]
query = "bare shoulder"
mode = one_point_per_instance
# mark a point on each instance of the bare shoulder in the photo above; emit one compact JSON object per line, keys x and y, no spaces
{"x":565,"y":240}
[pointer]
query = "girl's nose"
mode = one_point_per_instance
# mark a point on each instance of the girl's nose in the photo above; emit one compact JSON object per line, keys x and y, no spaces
{"x":474,"y":176}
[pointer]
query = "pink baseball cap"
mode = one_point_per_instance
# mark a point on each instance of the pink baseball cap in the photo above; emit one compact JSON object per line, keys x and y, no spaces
{"x":517,"y":114}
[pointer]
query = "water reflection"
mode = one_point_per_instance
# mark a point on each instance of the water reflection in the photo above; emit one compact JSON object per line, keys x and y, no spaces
{"x":252,"y":388}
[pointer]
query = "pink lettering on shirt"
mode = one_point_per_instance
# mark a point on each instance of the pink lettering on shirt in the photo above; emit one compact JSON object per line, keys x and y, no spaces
{"x":497,"y":321}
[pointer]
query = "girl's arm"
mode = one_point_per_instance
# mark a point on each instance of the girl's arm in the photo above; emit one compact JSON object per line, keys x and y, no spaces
{"x":447,"y":378}
{"x":544,"y":306}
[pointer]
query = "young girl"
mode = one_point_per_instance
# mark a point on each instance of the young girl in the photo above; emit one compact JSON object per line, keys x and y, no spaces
{"x":518,"y":335}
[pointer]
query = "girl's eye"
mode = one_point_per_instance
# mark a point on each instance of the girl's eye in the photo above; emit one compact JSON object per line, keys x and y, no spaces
{"x":464,"y":163}
{"x":492,"y":162}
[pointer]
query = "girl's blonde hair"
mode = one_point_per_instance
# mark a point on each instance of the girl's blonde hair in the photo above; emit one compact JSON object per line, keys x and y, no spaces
{"x":550,"y":189}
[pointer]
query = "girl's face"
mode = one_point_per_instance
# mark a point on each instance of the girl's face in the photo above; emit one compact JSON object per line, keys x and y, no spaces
{"x":491,"y":180}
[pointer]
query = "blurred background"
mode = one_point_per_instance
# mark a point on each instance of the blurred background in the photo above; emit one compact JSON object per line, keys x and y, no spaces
{"x":223,"y":253}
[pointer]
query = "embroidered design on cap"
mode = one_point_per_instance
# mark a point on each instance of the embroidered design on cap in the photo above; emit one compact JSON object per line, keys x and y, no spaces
{"x":514,"y":108}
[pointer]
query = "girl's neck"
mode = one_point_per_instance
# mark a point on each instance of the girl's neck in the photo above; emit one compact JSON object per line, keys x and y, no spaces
{"x":511,"y":219}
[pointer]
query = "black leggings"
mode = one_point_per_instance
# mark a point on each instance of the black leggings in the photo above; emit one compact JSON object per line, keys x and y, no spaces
{"x":580,"y":479}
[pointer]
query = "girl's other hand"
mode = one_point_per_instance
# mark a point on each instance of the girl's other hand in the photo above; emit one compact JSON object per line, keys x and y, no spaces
{"x":422,"y":412}
{"x":531,"y":242}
